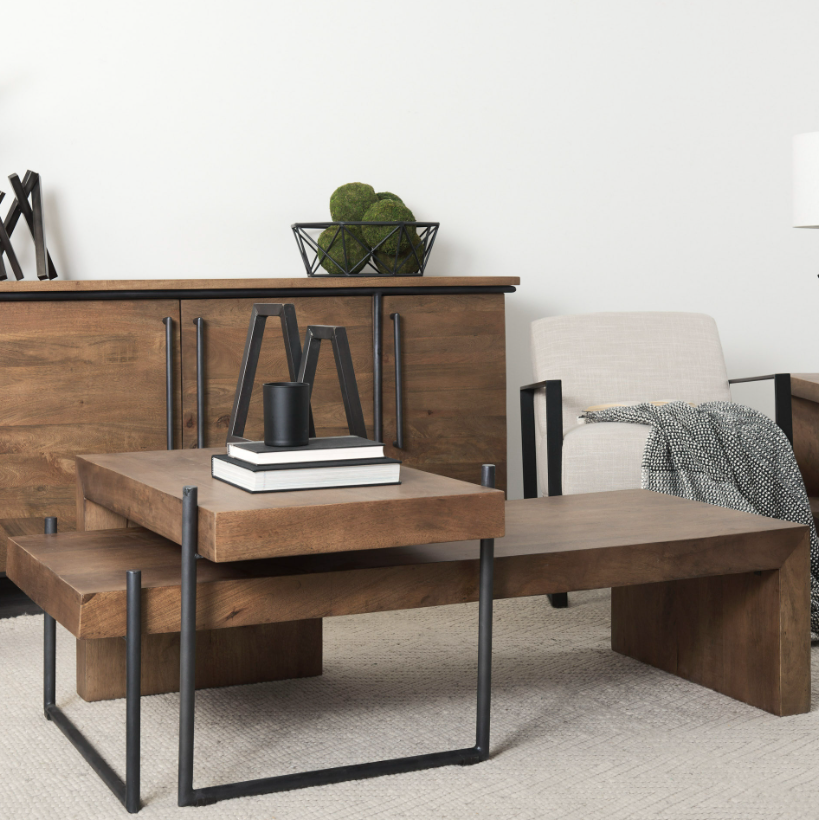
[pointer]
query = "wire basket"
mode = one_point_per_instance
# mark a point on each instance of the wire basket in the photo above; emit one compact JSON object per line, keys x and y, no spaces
{"x":403,"y":251}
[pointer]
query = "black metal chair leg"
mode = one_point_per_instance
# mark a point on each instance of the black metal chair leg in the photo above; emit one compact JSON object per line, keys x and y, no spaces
{"x":559,"y":600}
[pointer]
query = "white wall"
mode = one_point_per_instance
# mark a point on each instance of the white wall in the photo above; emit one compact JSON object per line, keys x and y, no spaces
{"x":615,"y":155}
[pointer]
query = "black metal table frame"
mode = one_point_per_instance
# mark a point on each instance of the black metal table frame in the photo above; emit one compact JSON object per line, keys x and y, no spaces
{"x":128,"y":791}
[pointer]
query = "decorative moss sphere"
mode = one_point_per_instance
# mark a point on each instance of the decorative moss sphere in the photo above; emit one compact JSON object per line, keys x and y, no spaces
{"x":334,"y":244}
{"x":387,"y":210}
{"x":349,"y":202}
{"x":388,"y":195}
{"x":408,"y":263}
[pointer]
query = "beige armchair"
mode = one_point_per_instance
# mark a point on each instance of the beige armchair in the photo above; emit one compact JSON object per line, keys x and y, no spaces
{"x":599,"y":358}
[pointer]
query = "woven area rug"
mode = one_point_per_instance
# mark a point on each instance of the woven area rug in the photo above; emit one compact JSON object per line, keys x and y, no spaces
{"x":578,"y":731}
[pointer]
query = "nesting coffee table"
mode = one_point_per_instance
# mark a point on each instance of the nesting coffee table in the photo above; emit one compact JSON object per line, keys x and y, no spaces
{"x":716,"y":596}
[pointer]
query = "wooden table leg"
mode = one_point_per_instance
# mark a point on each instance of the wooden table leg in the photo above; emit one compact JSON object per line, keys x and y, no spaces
{"x":225,"y":657}
{"x":746,"y":635}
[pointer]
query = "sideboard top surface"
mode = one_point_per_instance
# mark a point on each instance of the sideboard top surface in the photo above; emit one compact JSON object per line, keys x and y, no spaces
{"x":299,"y":283}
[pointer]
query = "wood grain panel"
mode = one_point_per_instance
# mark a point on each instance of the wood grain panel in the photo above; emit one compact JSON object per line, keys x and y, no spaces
{"x":224,"y":333}
{"x":745,"y":635}
{"x":454,"y":383}
{"x":11,"y":527}
{"x":81,"y":576}
{"x":229,"y":657}
{"x":235,"y":525}
{"x":806,"y":386}
{"x":717,"y":596}
{"x":77,"y":377}
{"x":805,"y":429}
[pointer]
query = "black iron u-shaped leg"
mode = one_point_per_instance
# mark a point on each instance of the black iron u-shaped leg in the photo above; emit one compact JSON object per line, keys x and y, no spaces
{"x":189,"y":796}
{"x":127,"y":792}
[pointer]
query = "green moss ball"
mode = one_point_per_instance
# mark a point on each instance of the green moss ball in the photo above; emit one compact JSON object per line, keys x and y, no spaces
{"x":408,"y":263}
{"x":388,"y":195}
{"x":387,"y":210}
{"x":349,"y":202}
{"x":334,"y":245}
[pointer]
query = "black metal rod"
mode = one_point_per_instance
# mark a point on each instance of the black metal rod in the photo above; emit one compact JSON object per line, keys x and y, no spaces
{"x":88,"y":752}
{"x":378,"y":433}
{"x":339,"y":774}
{"x":529,"y":462}
{"x":169,"y":383}
{"x":752,"y":379}
{"x":238,"y":293}
{"x":399,"y":442}
{"x":187,"y":655}
{"x":200,"y":386}
{"x":49,"y":662}
{"x":7,"y":248}
{"x":250,"y":360}
{"x":485,"y":632}
{"x":20,"y":206}
{"x":344,"y":370}
{"x":783,"y":404}
{"x":49,"y":642}
{"x":782,"y":399}
{"x":555,"y":437}
{"x":133,"y":647}
{"x":39,"y":229}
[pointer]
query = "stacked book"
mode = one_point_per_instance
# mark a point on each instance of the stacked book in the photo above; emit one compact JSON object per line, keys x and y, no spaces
{"x":337,"y":461}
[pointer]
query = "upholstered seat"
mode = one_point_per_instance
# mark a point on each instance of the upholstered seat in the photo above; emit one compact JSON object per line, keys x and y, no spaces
{"x":599,"y":457}
{"x":619,"y":357}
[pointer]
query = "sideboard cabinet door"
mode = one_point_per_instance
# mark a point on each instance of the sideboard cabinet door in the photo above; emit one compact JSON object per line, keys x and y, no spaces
{"x":453,"y":383}
{"x":224,"y":331}
{"x":76,"y":377}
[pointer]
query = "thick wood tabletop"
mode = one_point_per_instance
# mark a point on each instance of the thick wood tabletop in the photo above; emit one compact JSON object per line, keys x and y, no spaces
{"x":552,"y":545}
{"x":234,"y":525}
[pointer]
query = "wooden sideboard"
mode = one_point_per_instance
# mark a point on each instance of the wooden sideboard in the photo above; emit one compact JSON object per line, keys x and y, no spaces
{"x":84,"y":371}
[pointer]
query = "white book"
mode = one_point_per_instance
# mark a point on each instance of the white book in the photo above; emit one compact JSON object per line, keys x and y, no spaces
{"x":329,"y":448}
{"x":319,"y":475}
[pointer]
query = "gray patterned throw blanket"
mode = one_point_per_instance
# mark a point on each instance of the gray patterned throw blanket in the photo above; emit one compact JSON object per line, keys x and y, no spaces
{"x":724,"y":454}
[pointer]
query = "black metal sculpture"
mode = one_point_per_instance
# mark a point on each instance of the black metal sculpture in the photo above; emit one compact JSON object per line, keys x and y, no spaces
{"x":301,"y":366}
{"x":33,"y":214}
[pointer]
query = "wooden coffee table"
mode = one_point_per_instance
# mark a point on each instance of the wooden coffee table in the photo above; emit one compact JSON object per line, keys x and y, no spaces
{"x":716,"y":596}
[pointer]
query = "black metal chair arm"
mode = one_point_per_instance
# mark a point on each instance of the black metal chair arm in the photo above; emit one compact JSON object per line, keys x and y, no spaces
{"x":555,"y":437}
{"x":782,"y":399}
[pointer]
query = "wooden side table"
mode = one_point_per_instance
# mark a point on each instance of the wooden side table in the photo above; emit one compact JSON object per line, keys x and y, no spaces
{"x":172,"y":493}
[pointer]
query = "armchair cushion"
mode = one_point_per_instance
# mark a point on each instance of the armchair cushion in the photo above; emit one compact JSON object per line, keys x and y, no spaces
{"x":622,"y":357}
{"x":603,"y":457}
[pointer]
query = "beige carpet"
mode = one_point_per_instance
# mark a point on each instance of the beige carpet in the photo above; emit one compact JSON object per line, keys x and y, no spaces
{"x":578,"y":731}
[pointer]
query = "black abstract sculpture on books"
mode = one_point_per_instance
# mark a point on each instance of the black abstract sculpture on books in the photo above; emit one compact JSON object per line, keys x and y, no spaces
{"x":32,"y":212}
{"x":301,"y":366}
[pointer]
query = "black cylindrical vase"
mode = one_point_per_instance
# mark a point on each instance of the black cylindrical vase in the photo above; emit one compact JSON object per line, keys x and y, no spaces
{"x":286,"y":407}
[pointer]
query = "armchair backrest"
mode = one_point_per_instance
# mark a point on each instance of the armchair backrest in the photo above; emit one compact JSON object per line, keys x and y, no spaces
{"x":618,"y":357}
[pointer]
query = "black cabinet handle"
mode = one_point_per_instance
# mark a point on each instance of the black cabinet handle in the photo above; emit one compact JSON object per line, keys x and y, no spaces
{"x":200,"y":386}
{"x":399,"y":442}
{"x":169,"y":383}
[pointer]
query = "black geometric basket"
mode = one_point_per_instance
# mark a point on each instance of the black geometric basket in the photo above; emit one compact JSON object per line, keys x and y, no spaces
{"x":347,"y":254}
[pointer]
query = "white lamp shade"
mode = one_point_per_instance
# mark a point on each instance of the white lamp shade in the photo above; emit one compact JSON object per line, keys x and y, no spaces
{"x":806,"y":177}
